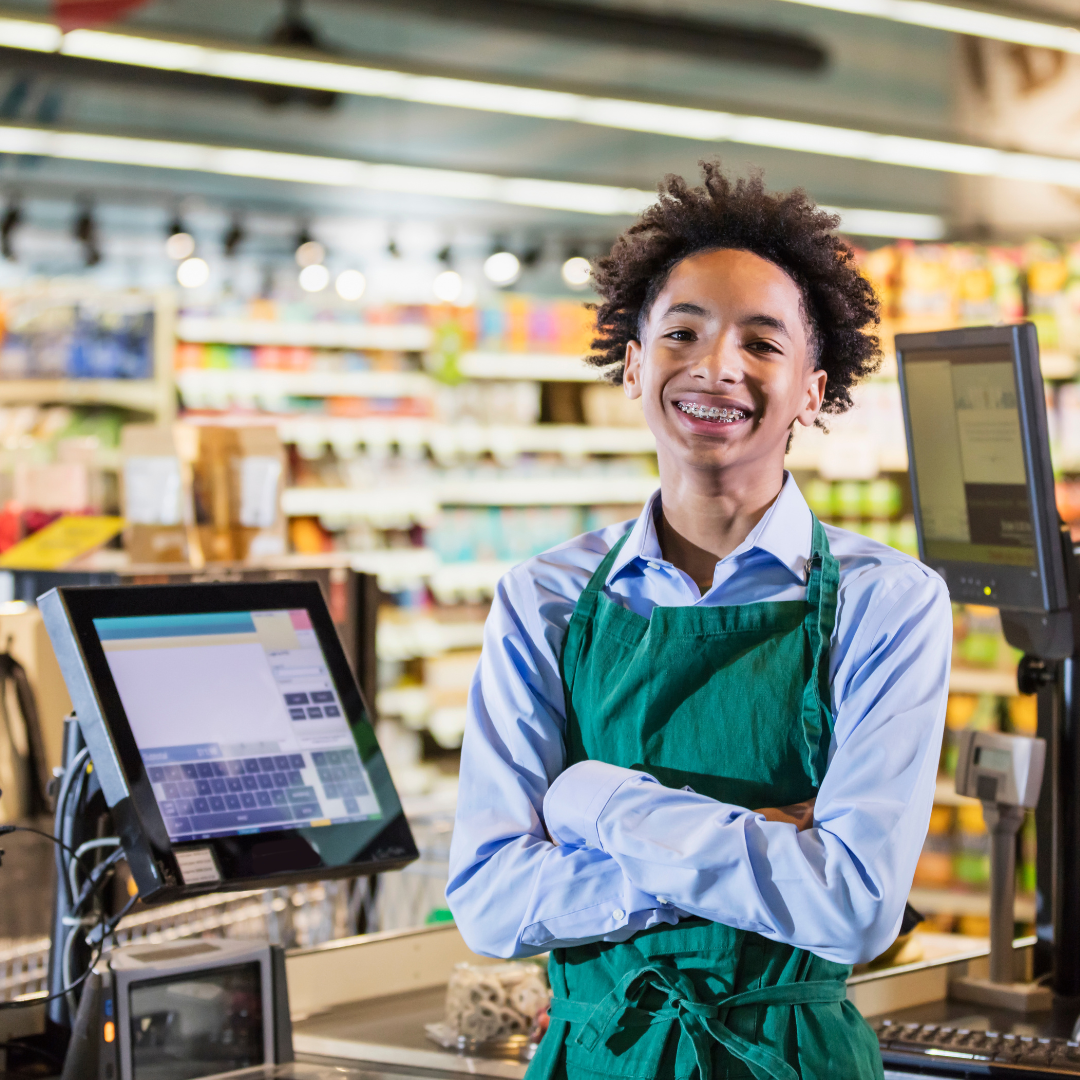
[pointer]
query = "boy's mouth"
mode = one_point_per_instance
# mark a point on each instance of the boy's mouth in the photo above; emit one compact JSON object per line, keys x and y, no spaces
{"x":713,"y":413}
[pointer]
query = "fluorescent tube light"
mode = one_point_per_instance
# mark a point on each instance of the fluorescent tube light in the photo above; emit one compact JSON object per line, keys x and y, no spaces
{"x":960,"y":20}
{"x":600,"y":199}
{"x":889,"y":223}
{"x":26,"y":34}
{"x":705,"y":125}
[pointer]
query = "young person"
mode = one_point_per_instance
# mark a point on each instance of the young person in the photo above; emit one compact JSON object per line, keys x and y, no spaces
{"x":701,"y":746}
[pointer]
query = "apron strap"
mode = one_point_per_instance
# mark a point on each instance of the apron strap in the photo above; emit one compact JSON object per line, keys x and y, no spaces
{"x":599,"y":578}
{"x":702,"y":1023}
{"x":823,"y":582}
{"x":579,"y":619}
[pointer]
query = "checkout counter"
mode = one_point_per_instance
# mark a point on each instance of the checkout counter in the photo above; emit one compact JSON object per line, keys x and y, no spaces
{"x":174,"y":763}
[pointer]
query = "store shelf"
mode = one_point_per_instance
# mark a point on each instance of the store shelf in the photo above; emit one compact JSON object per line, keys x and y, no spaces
{"x":219,"y":387}
{"x":396,"y":568}
{"x":553,"y":491}
{"x":1058,"y":365}
{"x":469,"y":581}
{"x":425,"y":637}
{"x":956,"y":902}
{"x":385,"y":504}
{"x":316,"y":335}
{"x":311,"y":434}
{"x":965,"y":680}
{"x":371,"y":503}
{"x":144,"y":395}
{"x":538,"y":367}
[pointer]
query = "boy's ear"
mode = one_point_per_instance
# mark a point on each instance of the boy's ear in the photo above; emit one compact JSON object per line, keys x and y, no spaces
{"x":815,"y":396}
{"x":631,"y":378}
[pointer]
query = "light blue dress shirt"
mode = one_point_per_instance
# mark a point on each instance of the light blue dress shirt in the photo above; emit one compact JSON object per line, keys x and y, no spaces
{"x":544,"y":856}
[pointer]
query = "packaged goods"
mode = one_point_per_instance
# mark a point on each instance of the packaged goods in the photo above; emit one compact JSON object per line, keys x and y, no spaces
{"x":157,"y":496}
{"x":485,"y":1002}
{"x":1047,"y":275}
{"x":53,"y":336}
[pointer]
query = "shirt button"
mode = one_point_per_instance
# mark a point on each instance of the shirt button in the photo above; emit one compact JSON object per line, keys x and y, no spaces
{"x":653,"y":565}
{"x":661,"y":900}
{"x":618,"y":914}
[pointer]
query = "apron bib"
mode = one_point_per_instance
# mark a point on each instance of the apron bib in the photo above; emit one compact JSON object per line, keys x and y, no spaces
{"x":731,"y":701}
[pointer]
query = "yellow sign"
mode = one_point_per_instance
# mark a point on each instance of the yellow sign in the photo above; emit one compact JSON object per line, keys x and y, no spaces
{"x":57,"y":544}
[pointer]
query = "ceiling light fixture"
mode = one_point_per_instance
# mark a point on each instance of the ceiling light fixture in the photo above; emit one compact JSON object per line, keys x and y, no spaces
{"x":502,"y":268}
{"x":192,"y":273}
{"x":9,"y":224}
{"x":234,"y":237}
{"x":576,"y":272}
{"x":308,"y":250}
{"x":314,"y":277}
{"x":179,"y":244}
{"x":960,"y":20}
{"x":85,"y":230}
{"x":350,"y":285}
{"x":409,"y":179}
{"x":448,"y":286}
{"x":703,"y":125}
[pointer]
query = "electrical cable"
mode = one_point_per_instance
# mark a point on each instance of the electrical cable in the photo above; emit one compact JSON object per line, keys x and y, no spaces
{"x":17,"y":1043}
{"x":90,"y":845}
{"x":74,"y":769}
{"x":6,"y":829}
{"x":96,"y":932}
{"x":106,"y":926}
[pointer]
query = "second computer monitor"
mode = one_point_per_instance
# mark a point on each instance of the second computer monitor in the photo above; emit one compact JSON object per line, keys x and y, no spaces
{"x":979,"y":456}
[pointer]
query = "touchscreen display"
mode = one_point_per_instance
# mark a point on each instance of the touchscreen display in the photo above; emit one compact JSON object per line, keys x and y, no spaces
{"x":969,"y":456}
{"x":238,"y":722}
{"x":193,"y":1025}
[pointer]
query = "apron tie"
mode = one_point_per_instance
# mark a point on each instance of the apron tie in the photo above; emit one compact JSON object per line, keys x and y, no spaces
{"x":702,"y":1023}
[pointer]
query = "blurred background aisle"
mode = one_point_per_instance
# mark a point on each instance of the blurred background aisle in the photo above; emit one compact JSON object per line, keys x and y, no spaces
{"x":300,"y":289}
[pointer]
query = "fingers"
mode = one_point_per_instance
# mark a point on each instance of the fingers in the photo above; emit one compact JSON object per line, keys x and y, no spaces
{"x":801,"y":815}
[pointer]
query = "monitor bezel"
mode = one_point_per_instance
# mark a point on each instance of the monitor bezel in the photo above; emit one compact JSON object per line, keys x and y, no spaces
{"x":228,"y":954}
{"x":1010,"y":588}
{"x":151,"y":853}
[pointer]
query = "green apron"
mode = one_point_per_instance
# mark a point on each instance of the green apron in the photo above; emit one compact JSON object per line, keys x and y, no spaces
{"x":732,"y":701}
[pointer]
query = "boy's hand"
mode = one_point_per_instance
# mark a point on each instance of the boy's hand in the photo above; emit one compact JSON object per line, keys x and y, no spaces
{"x":801,"y":815}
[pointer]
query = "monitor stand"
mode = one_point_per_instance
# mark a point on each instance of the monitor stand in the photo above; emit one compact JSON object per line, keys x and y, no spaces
{"x":1051,"y":670}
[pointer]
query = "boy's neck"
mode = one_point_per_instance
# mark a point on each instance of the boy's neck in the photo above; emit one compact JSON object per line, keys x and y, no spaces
{"x":705,"y":518}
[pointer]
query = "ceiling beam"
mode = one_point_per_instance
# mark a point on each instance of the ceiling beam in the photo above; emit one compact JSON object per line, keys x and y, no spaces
{"x":593,"y":25}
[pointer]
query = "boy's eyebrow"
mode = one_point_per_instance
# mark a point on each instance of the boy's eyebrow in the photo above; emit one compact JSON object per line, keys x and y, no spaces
{"x":685,"y":309}
{"x":769,"y":321}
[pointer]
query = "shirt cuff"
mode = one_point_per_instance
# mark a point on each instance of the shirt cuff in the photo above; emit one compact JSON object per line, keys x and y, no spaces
{"x":574,"y":802}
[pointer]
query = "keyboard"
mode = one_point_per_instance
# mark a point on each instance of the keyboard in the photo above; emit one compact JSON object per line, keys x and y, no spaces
{"x":945,"y":1051}
{"x":202,"y":797}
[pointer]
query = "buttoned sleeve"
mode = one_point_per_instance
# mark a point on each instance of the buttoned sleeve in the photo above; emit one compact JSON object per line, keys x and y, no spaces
{"x":512,"y":891}
{"x":837,"y":889}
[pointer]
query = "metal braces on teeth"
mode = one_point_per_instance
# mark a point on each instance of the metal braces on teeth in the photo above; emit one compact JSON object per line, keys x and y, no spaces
{"x":702,"y":412}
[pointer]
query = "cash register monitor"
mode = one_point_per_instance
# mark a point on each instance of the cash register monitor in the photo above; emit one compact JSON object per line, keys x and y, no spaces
{"x":228,"y":734}
{"x":979,"y":459}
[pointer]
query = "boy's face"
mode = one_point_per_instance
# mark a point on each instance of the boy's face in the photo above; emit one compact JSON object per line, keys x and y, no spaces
{"x":724,"y":366}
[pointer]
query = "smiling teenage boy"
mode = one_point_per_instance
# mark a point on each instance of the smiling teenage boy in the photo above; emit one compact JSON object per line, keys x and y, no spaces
{"x":701,"y":746}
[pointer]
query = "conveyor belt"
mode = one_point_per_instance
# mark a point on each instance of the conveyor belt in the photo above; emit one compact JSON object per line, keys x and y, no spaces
{"x":389,"y":1031}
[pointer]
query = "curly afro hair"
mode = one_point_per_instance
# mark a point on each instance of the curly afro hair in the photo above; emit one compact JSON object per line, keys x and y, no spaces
{"x":788,"y":230}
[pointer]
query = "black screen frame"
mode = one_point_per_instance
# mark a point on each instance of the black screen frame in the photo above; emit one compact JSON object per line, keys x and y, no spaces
{"x":261,"y":860}
{"x":1011,"y":588}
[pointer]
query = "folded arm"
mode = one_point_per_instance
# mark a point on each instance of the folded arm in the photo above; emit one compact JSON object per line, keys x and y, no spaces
{"x":837,"y":888}
{"x":512,"y":891}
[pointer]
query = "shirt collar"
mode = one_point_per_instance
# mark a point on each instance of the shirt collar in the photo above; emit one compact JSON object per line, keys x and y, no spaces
{"x":785,"y":532}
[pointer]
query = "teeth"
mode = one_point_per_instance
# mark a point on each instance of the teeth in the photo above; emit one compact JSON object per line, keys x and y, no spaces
{"x":711,"y":412}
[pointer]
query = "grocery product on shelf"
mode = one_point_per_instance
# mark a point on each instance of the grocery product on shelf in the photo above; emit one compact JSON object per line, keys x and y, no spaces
{"x":45,"y":334}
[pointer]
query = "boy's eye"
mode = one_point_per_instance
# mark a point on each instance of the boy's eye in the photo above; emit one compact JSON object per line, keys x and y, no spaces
{"x":680,"y":335}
